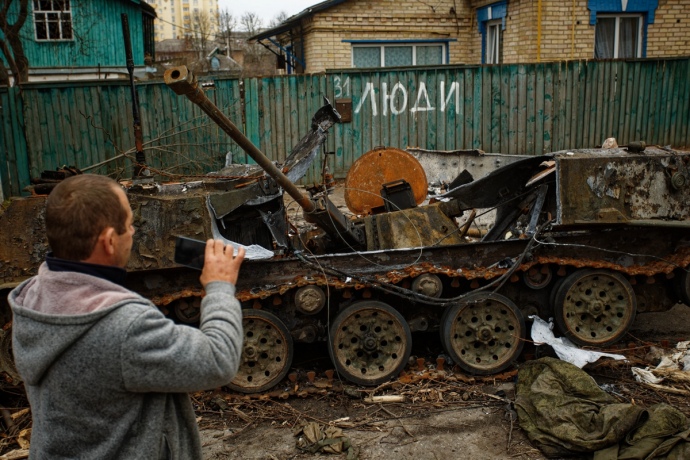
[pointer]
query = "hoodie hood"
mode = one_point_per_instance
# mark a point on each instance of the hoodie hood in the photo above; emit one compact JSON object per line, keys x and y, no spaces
{"x":53,"y":310}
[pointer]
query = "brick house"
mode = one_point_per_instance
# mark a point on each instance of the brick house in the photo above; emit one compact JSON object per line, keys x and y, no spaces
{"x":382,"y":33}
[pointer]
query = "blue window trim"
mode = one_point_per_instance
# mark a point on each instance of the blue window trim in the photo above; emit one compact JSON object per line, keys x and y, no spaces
{"x":646,"y":8}
{"x":445,"y":41}
{"x":498,"y":10}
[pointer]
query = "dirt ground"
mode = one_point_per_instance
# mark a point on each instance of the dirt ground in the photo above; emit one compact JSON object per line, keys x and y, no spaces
{"x":475,"y":429}
{"x":446,"y":416}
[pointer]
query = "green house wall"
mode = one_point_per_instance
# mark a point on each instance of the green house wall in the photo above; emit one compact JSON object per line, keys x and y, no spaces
{"x":98,"y":39}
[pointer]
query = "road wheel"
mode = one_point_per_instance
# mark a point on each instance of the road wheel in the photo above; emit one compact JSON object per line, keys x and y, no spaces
{"x":370,"y":342}
{"x":595,"y":307}
{"x":188,"y":310}
{"x":483,"y":333}
{"x":266,"y":353}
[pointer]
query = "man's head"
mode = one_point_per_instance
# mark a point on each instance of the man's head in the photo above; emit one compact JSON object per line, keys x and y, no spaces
{"x":88,"y":219}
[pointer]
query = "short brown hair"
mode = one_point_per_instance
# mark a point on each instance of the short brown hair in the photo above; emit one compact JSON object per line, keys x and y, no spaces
{"x":78,"y":210}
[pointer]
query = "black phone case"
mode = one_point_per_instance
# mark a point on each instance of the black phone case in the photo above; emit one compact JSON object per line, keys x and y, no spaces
{"x":189,"y":252}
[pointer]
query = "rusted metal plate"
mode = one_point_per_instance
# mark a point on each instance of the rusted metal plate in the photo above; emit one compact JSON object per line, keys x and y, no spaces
{"x":619,"y":187}
{"x":445,"y":165}
{"x":377,"y":167}
{"x":411,"y":228}
{"x":23,"y":244}
{"x":344,"y":108}
{"x":632,"y":251}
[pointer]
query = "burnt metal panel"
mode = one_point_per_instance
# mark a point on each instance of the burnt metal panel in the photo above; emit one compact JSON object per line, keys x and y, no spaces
{"x":344,"y":107}
{"x":619,"y":187}
{"x":23,"y":245}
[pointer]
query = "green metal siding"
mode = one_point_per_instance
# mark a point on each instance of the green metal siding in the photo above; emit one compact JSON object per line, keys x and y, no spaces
{"x":13,"y":150}
{"x":49,"y":126}
{"x":279,"y":111}
{"x":97,"y":25}
{"x":518,"y":109}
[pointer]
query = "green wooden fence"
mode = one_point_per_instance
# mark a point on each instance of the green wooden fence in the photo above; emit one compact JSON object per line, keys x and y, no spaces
{"x":518,"y":108}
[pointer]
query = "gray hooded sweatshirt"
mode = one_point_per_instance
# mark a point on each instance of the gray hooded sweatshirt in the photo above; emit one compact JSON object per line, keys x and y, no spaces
{"x":107,"y":375}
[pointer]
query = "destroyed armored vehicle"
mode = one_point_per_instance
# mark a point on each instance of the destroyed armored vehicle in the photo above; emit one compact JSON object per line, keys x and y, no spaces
{"x":588,"y":237}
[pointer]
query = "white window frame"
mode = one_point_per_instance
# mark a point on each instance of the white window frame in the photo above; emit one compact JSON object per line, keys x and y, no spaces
{"x":61,"y":13}
{"x":414,"y":45}
{"x":493,"y":50}
{"x":616,"y":40}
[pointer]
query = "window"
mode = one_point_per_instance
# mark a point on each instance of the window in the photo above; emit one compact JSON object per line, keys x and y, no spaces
{"x":53,"y":20}
{"x":618,"y":36}
{"x":493,"y":42}
{"x":398,"y":54}
{"x":491,"y":20}
{"x":620,"y":28}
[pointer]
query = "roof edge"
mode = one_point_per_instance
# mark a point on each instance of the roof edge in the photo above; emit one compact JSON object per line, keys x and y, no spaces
{"x":290,"y":22}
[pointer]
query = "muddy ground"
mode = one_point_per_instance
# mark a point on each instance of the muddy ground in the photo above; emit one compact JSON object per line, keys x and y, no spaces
{"x":445,"y":415}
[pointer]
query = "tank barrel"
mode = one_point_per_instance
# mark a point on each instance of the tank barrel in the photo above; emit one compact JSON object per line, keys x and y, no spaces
{"x":184,"y":83}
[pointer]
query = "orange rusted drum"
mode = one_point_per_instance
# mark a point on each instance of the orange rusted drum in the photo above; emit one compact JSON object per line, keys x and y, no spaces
{"x":380,"y":166}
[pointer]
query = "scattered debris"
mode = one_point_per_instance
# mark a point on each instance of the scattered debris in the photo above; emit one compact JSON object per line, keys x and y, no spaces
{"x":542,"y":333}
{"x":610,"y":143}
{"x":385,"y":399}
{"x":315,"y":438}
{"x":674,"y":366}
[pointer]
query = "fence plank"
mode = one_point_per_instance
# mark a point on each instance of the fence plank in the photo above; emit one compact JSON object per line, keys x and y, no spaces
{"x":539,"y":110}
{"x":522,"y":115}
{"x":504,"y":125}
{"x":684,"y":119}
{"x":547,"y":113}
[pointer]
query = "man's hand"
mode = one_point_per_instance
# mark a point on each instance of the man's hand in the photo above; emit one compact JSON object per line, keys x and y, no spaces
{"x":220,"y":264}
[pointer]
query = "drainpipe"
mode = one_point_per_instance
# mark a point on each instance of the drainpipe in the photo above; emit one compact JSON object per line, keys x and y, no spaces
{"x":539,"y":31}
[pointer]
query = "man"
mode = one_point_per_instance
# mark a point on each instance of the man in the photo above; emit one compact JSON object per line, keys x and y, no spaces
{"x":106,"y":373}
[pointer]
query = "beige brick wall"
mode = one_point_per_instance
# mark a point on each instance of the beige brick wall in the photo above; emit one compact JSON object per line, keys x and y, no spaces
{"x":383,"y":20}
{"x":566,"y":33}
{"x":669,"y":36}
{"x":565,"y":30}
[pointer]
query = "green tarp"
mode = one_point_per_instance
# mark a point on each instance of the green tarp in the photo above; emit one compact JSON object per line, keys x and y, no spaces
{"x":565,"y":413}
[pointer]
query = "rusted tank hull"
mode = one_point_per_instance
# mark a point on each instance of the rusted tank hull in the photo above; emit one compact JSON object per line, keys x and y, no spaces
{"x":591,"y":238}
{"x":637,"y":252}
{"x":529,"y":272}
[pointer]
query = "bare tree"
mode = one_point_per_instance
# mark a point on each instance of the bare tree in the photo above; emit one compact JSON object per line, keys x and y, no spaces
{"x":202,"y":28}
{"x":251,"y":23}
{"x":278,"y":19}
{"x":226,"y":25}
{"x":10,"y":40}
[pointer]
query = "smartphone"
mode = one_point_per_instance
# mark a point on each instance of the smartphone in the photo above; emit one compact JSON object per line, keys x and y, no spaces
{"x":189,"y":252}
